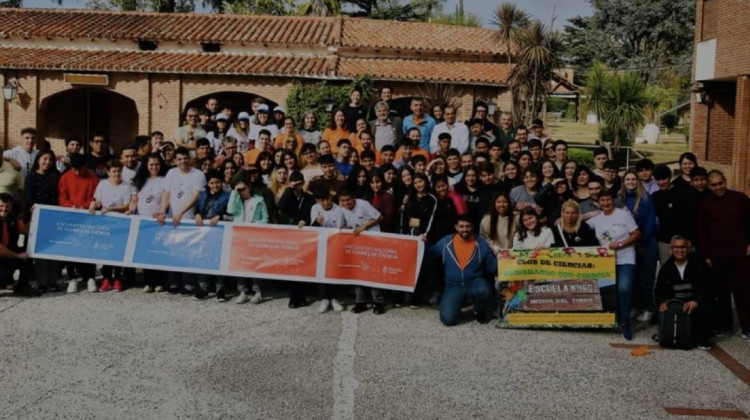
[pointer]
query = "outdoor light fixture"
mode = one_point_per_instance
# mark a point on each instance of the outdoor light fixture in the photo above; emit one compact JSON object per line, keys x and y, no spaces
{"x":328,"y":104}
{"x":9,"y":92}
{"x":491,"y":107}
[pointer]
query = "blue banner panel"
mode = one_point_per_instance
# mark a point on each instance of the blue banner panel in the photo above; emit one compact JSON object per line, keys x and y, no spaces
{"x":185,"y":246}
{"x":81,"y":235}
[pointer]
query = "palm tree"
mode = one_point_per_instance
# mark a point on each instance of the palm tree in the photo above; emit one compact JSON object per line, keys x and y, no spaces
{"x":320,"y":8}
{"x":510,"y":22}
{"x":623,"y":104}
{"x":539,"y":56}
{"x":596,"y":85}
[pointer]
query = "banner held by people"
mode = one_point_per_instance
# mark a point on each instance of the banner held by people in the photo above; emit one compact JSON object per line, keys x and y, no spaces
{"x":316,"y":255}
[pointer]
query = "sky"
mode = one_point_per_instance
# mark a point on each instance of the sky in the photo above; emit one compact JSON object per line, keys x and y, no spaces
{"x":539,"y":9}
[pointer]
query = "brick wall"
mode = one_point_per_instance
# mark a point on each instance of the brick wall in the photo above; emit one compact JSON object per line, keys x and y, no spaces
{"x":732,"y":33}
{"x":720,"y":141}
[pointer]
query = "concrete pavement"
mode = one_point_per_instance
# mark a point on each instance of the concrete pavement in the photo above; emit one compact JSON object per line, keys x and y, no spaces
{"x":130,"y":355}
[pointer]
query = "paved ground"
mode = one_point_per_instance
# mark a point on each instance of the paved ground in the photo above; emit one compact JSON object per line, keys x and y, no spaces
{"x":129,"y":355}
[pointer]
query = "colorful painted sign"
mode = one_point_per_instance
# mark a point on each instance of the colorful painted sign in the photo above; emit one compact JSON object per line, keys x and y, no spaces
{"x":557,"y":287}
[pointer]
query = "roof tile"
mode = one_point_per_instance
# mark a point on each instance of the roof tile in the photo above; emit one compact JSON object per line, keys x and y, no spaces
{"x":164,"y":62}
{"x":419,"y":70}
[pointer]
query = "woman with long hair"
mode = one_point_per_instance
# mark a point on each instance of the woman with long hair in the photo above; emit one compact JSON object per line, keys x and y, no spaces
{"x":497,"y":227}
{"x":581,"y":178}
{"x":262,"y":121}
{"x":525,"y":195}
{"x":530,"y":232}
{"x":548,"y":172}
{"x":511,"y":175}
{"x":472,"y":190}
{"x":357,"y":181}
{"x":687,"y":161}
{"x":382,"y":200}
{"x":41,"y":188}
{"x":309,"y":130}
{"x":148,"y":186}
{"x":241,"y":131}
{"x":336,"y":130}
{"x":569,"y":170}
{"x":265,"y":165}
{"x":228,"y":170}
{"x":637,"y":200}
{"x":569,"y":231}
{"x":551,"y":197}
{"x":417,"y":219}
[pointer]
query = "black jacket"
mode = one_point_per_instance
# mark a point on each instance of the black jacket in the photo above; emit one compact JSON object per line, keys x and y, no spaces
{"x":696,"y":274}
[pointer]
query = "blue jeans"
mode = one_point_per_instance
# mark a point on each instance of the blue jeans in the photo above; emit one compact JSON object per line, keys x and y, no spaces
{"x":625,"y":279}
{"x":454,"y":295}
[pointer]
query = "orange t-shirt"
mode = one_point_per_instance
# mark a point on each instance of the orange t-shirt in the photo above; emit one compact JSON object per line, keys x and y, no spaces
{"x":417,"y":151}
{"x":464,"y":250}
{"x":333,"y":137}
{"x":251,"y":156}
{"x":281,"y":139}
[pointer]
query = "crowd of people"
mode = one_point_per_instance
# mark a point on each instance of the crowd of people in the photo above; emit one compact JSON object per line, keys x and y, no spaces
{"x":467,"y":189}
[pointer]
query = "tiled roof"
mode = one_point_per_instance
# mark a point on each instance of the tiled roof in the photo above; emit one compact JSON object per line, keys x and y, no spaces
{"x":418,"y":37}
{"x":165,"y":62}
{"x":348,"y":33}
{"x":420,"y":70}
{"x":185,"y":27}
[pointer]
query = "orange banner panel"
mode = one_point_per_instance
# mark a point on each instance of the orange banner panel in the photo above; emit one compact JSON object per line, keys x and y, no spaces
{"x":274,"y":251}
{"x":372,"y":258}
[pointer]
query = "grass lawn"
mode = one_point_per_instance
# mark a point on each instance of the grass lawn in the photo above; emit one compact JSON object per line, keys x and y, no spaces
{"x":667,"y":150}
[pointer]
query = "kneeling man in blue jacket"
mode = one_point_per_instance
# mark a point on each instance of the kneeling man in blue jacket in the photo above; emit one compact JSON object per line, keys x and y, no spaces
{"x":470,"y":267}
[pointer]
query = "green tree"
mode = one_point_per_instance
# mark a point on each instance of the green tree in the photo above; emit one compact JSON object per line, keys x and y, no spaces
{"x":643,"y":36}
{"x":510,"y":22}
{"x":314,"y":96}
{"x":258,"y":7}
{"x":623,"y":105}
{"x":538,"y":56}
{"x":596,"y":85}
{"x":416,"y":10}
{"x":459,"y":17}
{"x":320,"y":8}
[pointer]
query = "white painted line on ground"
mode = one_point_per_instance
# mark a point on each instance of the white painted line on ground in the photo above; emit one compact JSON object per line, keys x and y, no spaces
{"x":344,"y":378}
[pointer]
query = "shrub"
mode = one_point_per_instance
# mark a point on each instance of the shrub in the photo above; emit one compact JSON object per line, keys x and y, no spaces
{"x":557,"y":105}
{"x":311,"y":96}
{"x":584,"y":157}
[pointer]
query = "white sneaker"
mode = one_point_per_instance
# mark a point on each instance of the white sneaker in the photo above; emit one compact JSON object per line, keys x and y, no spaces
{"x":148,"y":289}
{"x":336,"y":305}
{"x":645,"y":316}
{"x":73,"y":286}
{"x":325,"y":305}
{"x":256,"y":299}
{"x":242,"y":298}
{"x":159,"y":289}
{"x":91,"y":286}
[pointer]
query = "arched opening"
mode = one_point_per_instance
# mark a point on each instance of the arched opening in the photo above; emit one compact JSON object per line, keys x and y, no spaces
{"x":85,"y":111}
{"x":236,"y":101}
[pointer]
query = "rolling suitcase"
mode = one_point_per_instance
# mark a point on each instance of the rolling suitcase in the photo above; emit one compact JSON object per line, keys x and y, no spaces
{"x":675,"y":327}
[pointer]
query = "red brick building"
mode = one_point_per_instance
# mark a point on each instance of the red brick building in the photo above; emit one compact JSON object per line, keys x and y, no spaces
{"x":129,"y":73}
{"x":720,"y":121}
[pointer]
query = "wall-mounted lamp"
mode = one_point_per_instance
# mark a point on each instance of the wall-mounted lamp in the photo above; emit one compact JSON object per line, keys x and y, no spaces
{"x":491,"y":107}
{"x":328,"y":104}
{"x":10,"y":90}
{"x":704,"y":98}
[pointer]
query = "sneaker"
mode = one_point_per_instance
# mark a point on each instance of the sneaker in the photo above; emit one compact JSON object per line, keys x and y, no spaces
{"x":434,"y":299}
{"x":325,"y":305}
{"x":745,"y":336}
{"x":118,"y":286}
{"x":159,"y":289}
{"x":91,"y":286}
{"x":200,"y":294}
{"x":359,"y":307}
{"x":627,"y":333}
{"x":242,"y":298}
{"x":336,"y":305}
{"x":645,"y":316}
{"x":378,"y":309}
{"x":73,"y":286}
{"x":106,"y":285}
{"x":413,"y":306}
{"x":705,"y":346}
{"x":221,"y":296}
{"x":148,"y":289}
{"x":257,"y":298}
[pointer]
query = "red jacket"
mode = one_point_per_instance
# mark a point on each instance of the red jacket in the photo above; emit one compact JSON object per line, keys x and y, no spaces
{"x":77,"y":190}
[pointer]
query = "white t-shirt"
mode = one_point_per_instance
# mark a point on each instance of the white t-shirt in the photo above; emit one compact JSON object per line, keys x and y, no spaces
{"x":332,"y":218}
{"x":113,"y":195}
{"x":615,"y":228}
{"x":361,"y":214}
{"x":128,"y":175}
{"x":459,"y":136}
{"x":181,"y":187}
{"x":544,"y":240}
{"x":26,"y":159}
{"x":149,"y":196}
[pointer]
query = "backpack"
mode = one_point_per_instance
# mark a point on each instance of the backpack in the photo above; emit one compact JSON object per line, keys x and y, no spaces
{"x":676,"y":327}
